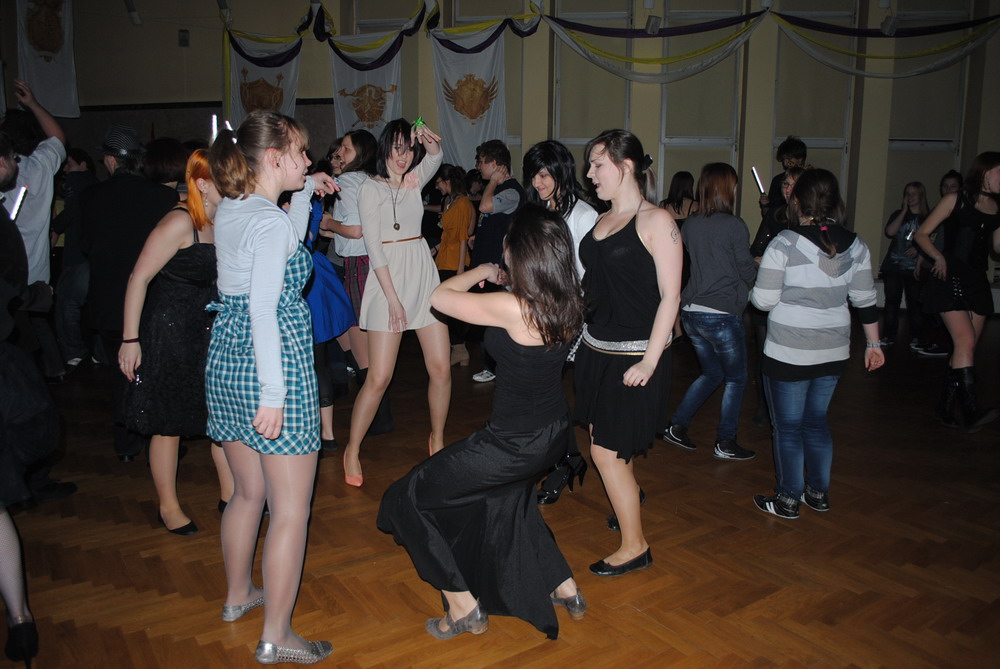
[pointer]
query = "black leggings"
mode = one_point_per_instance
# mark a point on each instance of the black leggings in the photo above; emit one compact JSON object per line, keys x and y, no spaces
{"x":324,"y":376}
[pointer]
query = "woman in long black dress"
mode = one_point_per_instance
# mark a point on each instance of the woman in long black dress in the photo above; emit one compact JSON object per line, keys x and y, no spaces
{"x":165,"y":319}
{"x":467,"y":515}
{"x":958,"y":288}
{"x":633,"y":258}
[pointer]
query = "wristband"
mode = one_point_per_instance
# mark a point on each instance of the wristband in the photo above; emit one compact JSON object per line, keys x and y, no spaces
{"x":877,"y":344}
{"x":131,"y":341}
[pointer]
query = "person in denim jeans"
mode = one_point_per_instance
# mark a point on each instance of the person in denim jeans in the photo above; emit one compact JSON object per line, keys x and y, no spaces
{"x":807,"y":275}
{"x":722,"y":271}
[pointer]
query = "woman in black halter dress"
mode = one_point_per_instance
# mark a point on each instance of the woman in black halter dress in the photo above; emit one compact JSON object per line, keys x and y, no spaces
{"x":958,"y":288}
{"x":633,"y":259}
{"x":467,"y":515}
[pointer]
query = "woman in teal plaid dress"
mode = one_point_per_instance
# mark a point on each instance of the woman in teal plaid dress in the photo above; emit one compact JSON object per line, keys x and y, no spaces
{"x":260,"y":385}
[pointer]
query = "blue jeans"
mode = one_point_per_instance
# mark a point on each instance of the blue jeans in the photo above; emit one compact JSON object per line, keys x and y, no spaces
{"x":720,"y":342}
{"x":803,"y":447}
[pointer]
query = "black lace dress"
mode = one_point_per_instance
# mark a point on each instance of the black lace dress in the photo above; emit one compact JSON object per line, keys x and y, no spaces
{"x":168,"y":394}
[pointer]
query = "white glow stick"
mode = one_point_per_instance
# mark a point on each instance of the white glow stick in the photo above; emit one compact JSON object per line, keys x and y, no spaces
{"x":215,"y":126}
{"x":230,"y":129}
{"x":17,"y":202}
{"x":756,"y":176}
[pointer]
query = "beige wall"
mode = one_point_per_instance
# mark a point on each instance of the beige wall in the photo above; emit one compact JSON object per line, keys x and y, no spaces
{"x":746,"y":104}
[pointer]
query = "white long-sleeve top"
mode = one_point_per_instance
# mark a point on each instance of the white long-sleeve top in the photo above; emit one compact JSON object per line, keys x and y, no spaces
{"x":254,"y":240}
{"x":346,"y":211}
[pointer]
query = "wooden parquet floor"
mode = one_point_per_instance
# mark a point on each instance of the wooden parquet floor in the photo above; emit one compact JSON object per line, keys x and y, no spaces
{"x":903,"y":572}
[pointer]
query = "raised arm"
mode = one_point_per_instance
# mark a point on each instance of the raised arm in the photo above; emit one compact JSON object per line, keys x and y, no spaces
{"x":499,"y":309}
{"x":171,"y":234}
{"x":50,"y":126}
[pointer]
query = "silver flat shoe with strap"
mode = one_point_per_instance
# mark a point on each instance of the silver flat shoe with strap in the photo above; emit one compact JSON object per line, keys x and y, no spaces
{"x":576,"y":605}
{"x":231,"y":613}
{"x":269,"y":653}
{"x":475,"y":622}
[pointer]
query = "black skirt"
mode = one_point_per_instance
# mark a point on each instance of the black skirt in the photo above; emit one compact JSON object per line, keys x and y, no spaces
{"x":624,"y":419}
{"x":469,"y":520}
{"x":961,"y":291}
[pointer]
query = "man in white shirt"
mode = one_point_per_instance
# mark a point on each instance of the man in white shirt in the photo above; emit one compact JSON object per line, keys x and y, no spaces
{"x":36,"y":169}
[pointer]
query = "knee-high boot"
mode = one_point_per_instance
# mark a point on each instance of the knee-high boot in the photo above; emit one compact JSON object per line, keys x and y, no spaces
{"x":945,"y":409}
{"x":382,"y":422}
{"x":973,"y":418}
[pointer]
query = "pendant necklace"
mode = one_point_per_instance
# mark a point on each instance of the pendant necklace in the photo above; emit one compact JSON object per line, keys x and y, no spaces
{"x":394,"y":196}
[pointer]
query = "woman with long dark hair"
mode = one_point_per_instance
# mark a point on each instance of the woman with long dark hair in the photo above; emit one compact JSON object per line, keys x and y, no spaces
{"x":680,"y":200}
{"x":403,"y":275}
{"x":714,"y":299}
{"x":958,"y":288}
{"x":166,"y":333}
{"x":632,"y":288}
{"x":549,"y":174}
{"x":806,"y":278}
{"x":263,"y":401}
{"x":466,"y":515}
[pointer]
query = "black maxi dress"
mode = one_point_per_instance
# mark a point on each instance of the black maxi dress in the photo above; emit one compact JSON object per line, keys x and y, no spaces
{"x":467,"y":516}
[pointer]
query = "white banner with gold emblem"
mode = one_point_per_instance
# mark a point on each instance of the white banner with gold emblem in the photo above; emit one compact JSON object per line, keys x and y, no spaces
{"x":366,"y":99}
{"x":470,"y":97}
{"x":45,"y":54}
{"x":261,"y":73}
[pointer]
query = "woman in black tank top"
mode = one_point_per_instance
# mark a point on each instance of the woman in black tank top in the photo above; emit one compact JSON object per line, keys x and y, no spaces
{"x":467,"y":515}
{"x":633,"y":259}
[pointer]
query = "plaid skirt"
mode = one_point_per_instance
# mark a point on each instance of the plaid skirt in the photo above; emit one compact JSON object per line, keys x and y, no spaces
{"x":232,"y":388}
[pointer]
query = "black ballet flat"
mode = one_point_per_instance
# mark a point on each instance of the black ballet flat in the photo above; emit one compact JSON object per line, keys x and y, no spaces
{"x":602,"y":568}
{"x":22,"y":642}
{"x":328,"y":444}
{"x":184,"y":531}
{"x":613,"y":519}
{"x":569,"y":468}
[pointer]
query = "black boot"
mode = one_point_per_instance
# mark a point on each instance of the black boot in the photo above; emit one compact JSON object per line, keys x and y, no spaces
{"x":572,"y":466}
{"x":382,"y":422}
{"x":945,"y":409}
{"x":973,"y":418}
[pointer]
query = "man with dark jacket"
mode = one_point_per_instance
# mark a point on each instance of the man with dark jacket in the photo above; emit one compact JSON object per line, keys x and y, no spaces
{"x":117,"y":215}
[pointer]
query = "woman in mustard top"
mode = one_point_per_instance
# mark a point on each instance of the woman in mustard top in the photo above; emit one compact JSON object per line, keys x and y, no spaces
{"x":458,"y":217}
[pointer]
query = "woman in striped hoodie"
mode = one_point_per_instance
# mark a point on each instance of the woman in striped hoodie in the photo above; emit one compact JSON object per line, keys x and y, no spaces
{"x":806,"y":277}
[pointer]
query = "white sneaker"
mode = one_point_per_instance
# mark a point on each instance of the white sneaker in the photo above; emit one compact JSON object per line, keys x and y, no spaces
{"x":484,"y":376}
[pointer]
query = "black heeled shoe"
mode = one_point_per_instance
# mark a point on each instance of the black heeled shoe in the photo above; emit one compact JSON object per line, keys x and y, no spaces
{"x":613,"y":519}
{"x":570,"y":467}
{"x":22,"y":642}
{"x":183,"y":530}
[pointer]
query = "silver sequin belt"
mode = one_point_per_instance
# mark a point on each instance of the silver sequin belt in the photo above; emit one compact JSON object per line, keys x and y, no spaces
{"x":634,"y":347}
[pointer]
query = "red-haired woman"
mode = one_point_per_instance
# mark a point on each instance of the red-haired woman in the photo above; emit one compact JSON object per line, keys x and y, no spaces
{"x":165,"y":319}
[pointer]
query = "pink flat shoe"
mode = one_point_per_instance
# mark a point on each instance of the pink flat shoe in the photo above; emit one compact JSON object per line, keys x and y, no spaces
{"x":355,"y":481}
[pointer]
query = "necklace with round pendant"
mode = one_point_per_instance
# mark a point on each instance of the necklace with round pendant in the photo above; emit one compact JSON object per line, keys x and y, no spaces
{"x":394,"y":196}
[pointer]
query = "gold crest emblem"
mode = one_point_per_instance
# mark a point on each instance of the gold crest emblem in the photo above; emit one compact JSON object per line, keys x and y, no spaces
{"x":44,"y":27}
{"x":471,"y":97}
{"x":261,"y":95}
{"x":368,"y":102}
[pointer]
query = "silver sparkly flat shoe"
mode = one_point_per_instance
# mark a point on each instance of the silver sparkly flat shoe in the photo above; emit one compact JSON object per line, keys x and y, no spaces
{"x":237,"y":611}
{"x":576,"y":605}
{"x":475,"y":622}
{"x":269,"y":653}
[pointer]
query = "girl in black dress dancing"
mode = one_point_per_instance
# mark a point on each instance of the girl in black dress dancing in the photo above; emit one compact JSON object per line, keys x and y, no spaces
{"x":633,"y":258}
{"x":958,"y":288}
{"x":467,"y":515}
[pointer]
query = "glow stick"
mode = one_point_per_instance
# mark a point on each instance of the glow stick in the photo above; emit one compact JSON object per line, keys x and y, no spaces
{"x":17,"y":202}
{"x":215,"y":126}
{"x":230,"y":129}
{"x":756,"y":176}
